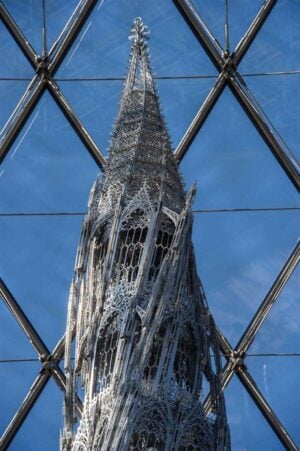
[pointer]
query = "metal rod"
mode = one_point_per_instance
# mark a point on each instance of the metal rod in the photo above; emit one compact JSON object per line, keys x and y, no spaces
{"x":265,"y":128}
{"x":17,"y":421}
{"x":59,"y":350}
{"x":262,"y":312}
{"x":69,"y":33}
{"x":200,"y":118}
{"x":76,"y":124}
{"x":225,"y":346}
{"x":209,"y":210}
{"x":60,"y":379}
{"x":18,"y":36}
{"x":22,"y":319}
{"x":201,"y":31}
{"x":44,"y":39}
{"x":266,"y":410}
{"x":252,"y":31}
{"x":227,"y":42}
{"x":21,"y":114}
{"x":227,"y":374}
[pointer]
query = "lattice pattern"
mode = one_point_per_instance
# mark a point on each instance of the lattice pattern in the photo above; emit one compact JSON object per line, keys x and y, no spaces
{"x":144,"y":335}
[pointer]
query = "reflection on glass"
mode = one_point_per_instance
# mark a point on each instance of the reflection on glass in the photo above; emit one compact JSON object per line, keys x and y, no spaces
{"x":278,"y":380}
{"x":238,"y":257}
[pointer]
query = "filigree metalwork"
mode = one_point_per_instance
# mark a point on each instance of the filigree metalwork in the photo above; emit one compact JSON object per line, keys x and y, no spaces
{"x":144,"y":337}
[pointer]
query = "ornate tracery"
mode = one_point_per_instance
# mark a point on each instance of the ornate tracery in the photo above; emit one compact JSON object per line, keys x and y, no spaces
{"x":144,"y":336}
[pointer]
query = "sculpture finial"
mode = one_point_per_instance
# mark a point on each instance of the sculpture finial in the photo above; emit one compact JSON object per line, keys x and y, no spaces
{"x":139,"y":33}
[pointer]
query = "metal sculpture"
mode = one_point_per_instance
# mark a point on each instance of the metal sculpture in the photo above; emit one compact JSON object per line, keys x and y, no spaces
{"x":145,"y":340}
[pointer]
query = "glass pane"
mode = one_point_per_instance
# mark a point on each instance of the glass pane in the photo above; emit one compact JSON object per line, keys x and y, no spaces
{"x":37,"y":261}
{"x":279,"y":97}
{"x":276,"y":47}
{"x":41,"y":429}
{"x":240,"y":15}
{"x":16,"y":379}
{"x":249,"y":430}
{"x":278,"y":380}
{"x":280,"y":332}
{"x":14,"y":344}
{"x":102,"y":48}
{"x":89,"y":100}
{"x":233,"y":166}
{"x":29,"y":18}
{"x":10,"y":94}
{"x":180,"y":101}
{"x":57,"y":15}
{"x":13,"y":61}
{"x":48,"y":169}
{"x":212,"y":12}
{"x":238,"y":257}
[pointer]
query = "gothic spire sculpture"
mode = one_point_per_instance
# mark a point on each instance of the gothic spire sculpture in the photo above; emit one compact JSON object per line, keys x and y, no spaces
{"x":144,"y":337}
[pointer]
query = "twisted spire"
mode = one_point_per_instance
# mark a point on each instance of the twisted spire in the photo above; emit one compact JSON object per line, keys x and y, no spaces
{"x":144,"y":336}
{"x":141,"y":151}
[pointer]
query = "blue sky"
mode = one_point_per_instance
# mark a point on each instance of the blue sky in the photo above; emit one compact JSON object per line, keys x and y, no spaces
{"x":49,"y":170}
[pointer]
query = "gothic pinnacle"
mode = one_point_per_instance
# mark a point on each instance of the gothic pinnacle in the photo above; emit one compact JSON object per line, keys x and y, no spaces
{"x":139,"y":33}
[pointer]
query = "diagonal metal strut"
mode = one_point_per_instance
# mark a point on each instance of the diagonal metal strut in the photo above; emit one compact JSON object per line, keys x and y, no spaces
{"x":45,"y":67}
{"x":49,"y":367}
{"x":227,"y":66}
{"x":235,"y":357}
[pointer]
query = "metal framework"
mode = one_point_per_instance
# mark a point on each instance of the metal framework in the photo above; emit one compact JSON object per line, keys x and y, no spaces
{"x":226,"y":62}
